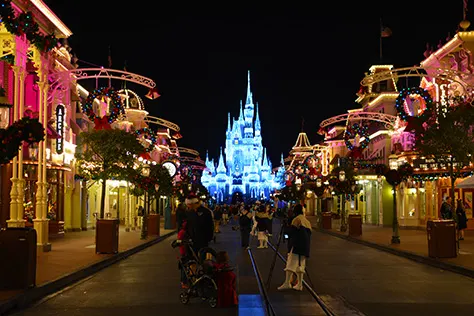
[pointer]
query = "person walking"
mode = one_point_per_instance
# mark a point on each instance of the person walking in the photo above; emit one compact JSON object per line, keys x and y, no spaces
{"x":262,"y":223}
{"x":217,"y":218}
{"x":180,"y":215}
{"x":462,"y":219}
{"x":245,"y":223}
{"x":299,"y":245}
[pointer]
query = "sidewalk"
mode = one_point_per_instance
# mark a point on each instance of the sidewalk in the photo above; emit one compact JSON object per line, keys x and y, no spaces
{"x":414,"y":245}
{"x":71,"y":259}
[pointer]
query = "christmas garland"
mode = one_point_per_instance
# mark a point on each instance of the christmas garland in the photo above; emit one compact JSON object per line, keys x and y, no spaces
{"x":148,"y":134}
{"x":24,"y":24}
{"x":28,"y":130}
{"x":116,"y":110}
{"x":352,"y":132}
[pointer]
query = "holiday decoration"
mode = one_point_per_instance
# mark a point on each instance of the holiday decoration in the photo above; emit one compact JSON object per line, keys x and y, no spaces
{"x":150,"y":135}
{"x":414,"y":122}
{"x":24,"y":24}
{"x":116,"y":107}
{"x":152,"y":94}
{"x":25,"y":130}
{"x":351,"y":132}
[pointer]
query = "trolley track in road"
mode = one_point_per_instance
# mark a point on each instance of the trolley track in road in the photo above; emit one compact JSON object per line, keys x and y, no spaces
{"x":269,"y":301}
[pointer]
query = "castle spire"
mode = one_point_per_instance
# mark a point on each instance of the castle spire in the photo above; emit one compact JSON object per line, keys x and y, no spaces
{"x":282,"y":162}
{"x":229,"y":128}
{"x":249,"y":93}
{"x":241,"y":115}
{"x":221,"y":167}
{"x":257,"y":118}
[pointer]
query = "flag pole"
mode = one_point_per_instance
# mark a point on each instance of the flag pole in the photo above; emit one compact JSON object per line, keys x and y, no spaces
{"x":380,"y":39}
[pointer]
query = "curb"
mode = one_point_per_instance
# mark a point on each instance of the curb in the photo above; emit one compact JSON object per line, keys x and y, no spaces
{"x":406,"y":254}
{"x":32,"y":295}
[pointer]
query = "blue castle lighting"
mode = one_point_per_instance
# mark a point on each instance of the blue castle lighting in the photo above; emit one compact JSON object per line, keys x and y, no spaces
{"x":244,"y":169}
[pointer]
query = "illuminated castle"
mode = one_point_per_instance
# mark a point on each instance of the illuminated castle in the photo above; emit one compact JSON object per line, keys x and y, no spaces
{"x":244,"y":169}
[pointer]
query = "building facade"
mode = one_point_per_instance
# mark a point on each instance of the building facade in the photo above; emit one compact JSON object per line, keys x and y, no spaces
{"x":244,"y":170}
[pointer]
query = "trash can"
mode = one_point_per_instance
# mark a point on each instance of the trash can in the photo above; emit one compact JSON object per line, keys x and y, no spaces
{"x":18,"y":258}
{"x":327,"y":220}
{"x":441,"y":238}
{"x":107,"y":236}
{"x":154,"y":225}
{"x":355,"y":225}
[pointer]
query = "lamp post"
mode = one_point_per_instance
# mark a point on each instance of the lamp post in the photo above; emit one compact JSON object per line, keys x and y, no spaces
{"x":342,"y":178}
{"x":393,"y":164}
{"x":144,"y":234}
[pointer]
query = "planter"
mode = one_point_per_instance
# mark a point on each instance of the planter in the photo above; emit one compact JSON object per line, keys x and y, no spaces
{"x":56,"y":229}
{"x":154,"y":225}
{"x":107,"y":236}
{"x":355,"y":225}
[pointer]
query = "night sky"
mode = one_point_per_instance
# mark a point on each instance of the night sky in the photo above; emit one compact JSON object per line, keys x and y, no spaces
{"x":306,"y":62}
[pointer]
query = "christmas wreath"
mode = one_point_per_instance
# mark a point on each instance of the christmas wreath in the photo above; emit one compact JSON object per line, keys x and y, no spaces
{"x":351,"y":133}
{"x":414,"y":122}
{"x":116,"y":107}
{"x":24,"y":24}
{"x":148,"y":134}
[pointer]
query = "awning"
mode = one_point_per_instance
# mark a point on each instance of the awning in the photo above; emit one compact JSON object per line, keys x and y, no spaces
{"x":50,"y":131}
{"x":466,"y":184}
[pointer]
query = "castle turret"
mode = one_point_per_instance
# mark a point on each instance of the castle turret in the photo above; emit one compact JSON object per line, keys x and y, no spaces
{"x":248,"y":111}
{"x":258,"y":127}
{"x":221,"y":169}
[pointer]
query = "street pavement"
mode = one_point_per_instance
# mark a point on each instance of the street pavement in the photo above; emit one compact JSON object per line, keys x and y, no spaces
{"x":380,"y":283}
{"x":365,"y":279}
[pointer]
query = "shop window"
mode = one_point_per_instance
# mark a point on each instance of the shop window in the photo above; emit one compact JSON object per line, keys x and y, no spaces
{"x":55,"y":193}
{"x":30,"y":175}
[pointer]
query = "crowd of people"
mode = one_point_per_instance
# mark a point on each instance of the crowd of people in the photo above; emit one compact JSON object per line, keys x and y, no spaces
{"x":201,"y":224}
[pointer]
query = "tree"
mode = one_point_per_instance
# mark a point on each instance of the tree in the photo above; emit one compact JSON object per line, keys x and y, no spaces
{"x":342,"y":181}
{"x":107,"y":154}
{"x":152,"y":184}
{"x":448,"y":137}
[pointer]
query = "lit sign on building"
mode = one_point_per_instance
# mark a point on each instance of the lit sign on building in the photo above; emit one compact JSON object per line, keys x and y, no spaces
{"x":434,"y":163}
{"x":60,"y":128}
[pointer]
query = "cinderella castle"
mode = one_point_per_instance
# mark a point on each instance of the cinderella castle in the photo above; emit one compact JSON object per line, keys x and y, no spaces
{"x":244,"y":170}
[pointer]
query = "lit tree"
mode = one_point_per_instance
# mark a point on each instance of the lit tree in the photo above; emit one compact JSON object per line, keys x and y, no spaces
{"x":152,"y":184}
{"x":448,"y":138}
{"x":107,"y":154}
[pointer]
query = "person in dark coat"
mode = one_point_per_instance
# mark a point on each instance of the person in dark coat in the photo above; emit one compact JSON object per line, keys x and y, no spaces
{"x":200,"y":224}
{"x":245,"y":223}
{"x":180,"y":215}
{"x":462,"y":219}
{"x":299,"y":243}
{"x":261,"y":218}
{"x":447,"y":209}
{"x":217,"y":218}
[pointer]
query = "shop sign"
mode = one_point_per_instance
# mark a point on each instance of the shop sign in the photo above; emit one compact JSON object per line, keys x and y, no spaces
{"x":435,"y":163}
{"x":60,"y":128}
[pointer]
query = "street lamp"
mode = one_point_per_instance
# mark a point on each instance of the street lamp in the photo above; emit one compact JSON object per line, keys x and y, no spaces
{"x":393,"y":164}
{"x":145,"y":173}
{"x":342,"y":178}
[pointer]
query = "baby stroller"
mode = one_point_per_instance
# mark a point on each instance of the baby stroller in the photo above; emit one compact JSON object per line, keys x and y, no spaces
{"x":199,"y":272}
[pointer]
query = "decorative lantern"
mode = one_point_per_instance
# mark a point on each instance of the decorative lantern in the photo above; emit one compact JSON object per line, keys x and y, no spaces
{"x":319,"y":182}
{"x":393,"y":162}
{"x":4,"y":115}
{"x":342,"y":175}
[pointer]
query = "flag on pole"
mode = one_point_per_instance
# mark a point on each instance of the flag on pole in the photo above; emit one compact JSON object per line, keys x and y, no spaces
{"x":385,"y":32}
{"x":109,"y":59}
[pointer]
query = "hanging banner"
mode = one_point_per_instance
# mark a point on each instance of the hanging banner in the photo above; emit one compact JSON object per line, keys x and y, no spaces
{"x":60,"y":128}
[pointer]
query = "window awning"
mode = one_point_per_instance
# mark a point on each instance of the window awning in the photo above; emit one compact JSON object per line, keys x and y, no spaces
{"x":466,"y":184}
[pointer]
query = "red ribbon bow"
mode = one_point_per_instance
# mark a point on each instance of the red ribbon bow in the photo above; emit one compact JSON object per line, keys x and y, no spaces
{"x":102,"y":123}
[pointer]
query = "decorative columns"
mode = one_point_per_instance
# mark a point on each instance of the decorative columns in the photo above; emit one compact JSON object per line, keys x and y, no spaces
{"x":41,"y":222}
{"x":17,"y":192}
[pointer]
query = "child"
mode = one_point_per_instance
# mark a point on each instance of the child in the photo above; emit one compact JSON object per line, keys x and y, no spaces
{"x":226,"y":293}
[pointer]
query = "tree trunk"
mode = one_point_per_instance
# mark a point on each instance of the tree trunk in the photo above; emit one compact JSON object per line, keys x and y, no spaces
{"x":102,"y":199}
{"x":343,"y":214}
{"x":453,"y":179}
